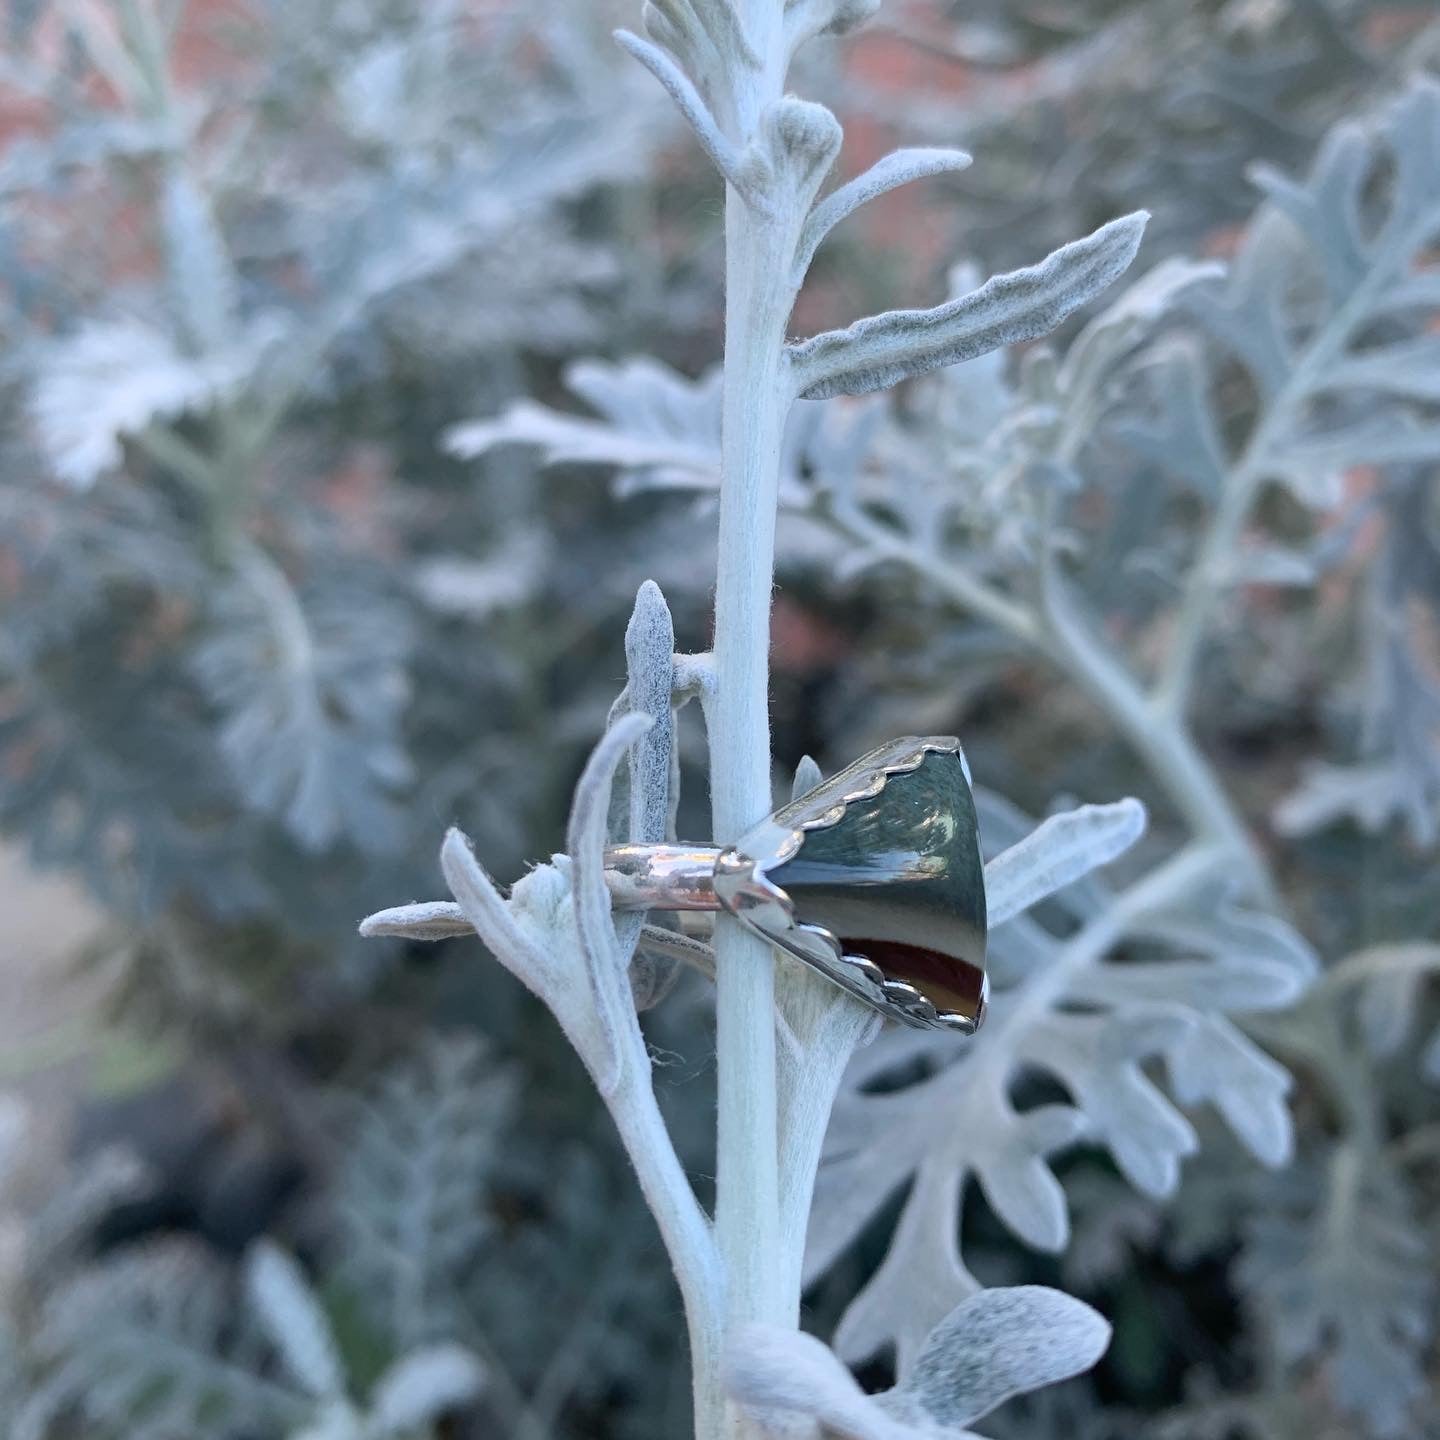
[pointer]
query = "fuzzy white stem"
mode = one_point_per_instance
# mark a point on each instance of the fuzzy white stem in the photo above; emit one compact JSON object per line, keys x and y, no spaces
{"x":757,"y":305}
{"x":759,"y":244}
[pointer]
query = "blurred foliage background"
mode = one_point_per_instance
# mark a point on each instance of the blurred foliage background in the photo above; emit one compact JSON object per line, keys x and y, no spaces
{"x":270,"y":625}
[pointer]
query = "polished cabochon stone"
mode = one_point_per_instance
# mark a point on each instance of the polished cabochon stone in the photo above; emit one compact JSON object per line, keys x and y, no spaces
{"x":900,"y":879}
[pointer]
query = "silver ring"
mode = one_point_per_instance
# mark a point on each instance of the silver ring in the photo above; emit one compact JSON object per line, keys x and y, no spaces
{"x":874,"y":879}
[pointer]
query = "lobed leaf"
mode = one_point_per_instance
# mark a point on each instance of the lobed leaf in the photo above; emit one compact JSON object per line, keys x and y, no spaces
{"x":995,"y":1345}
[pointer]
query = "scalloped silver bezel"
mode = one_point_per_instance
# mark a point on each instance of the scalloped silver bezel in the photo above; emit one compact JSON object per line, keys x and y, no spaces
{"x":744,"y":887}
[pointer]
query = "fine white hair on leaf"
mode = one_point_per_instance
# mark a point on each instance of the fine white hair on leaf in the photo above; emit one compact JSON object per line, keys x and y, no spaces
{"x":649,"y":655}
{"x":599,"y":947}
{"x":424,"y":920}
{"x":689,"y":102}
{"x":882,"y":350}
{"x":993,"y":1346}
{"x":769,"y":1369}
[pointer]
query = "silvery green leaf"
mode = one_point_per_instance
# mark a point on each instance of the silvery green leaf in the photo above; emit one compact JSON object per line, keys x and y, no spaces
{"x":1122,"y":325}
{"x":1100,"y":1061}
{"x":805,"y":19}
{"x":1313,"y":466}
{"x":1013,"y":1174}
{"x":110,"y":381}
{"x":155,"y":1343}
{"x":920,"y":1281}
{"x":656,"y":423}
{"x":606,"y":963}
{"x":1388,"y":979}
{"x":1411,"y":295}
{"x":649,"y":654}
{"x":1068,"y":1007}
{"x":420,"y":1387}
{"x":495,"y":584}
{"x":1386,"y":1010}
{"x":1215,"y":1063}
{"x":290,"y":1311}
{"x":409,"y":1197}
{"x":1370,"y":794}
{"x":1246,"y":314}
{"x":643,"y":802}
{"x":1408,"y":370}
{"x":424,"y":920}
{"x":995,"y":1345}
{"x":879,"y":1142}
{"x":662,"y":431}
{"x":1228,"y":980}
{"x":94,"y":1189}
{"x":900,"y":167}
{"x":1182,"y":436}
{"x":1327,"y":209}
{"x":1059,"y":852}
{"x":998,"y":1344}
{"x":702,"y":34}
{"x":880,"y":351}
{"x":32,"y":165}
{"x":1275,"y":565}
{"x":201,"y":273}
{"x":1320,"y":220}
{"x":1212,"y":921}
{"x":310,"y":691}
{"x":691,"y":105}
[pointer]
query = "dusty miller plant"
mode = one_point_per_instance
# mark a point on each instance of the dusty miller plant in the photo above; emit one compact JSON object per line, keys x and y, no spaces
{"x":1273,"y":381}
{"x":213,"y":686}
{"x":163,"y":1338}
{"x":1068,"y":1007}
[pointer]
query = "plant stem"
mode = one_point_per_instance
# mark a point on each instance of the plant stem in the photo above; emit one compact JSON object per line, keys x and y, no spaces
{"x":1158,"y":735}
{"x":757,"y":305}
{"x":759,"y":243}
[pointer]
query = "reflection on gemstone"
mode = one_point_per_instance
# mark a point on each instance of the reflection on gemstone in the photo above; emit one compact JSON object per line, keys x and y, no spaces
{"x":902,"y":872}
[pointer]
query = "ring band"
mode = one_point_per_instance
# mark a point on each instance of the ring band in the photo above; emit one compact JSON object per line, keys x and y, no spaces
{"x":662,"y":877}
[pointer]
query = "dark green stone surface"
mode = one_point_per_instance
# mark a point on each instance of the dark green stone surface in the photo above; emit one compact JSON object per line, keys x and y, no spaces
{"x":900,"y":879}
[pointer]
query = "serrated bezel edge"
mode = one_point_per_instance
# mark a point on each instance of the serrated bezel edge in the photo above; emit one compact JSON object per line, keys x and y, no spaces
{"x":744,"y":886}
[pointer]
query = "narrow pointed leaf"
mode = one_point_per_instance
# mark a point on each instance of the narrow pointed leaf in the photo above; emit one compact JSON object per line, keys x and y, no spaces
{"x":1058,"y":853}
{"x":900,"y":167}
